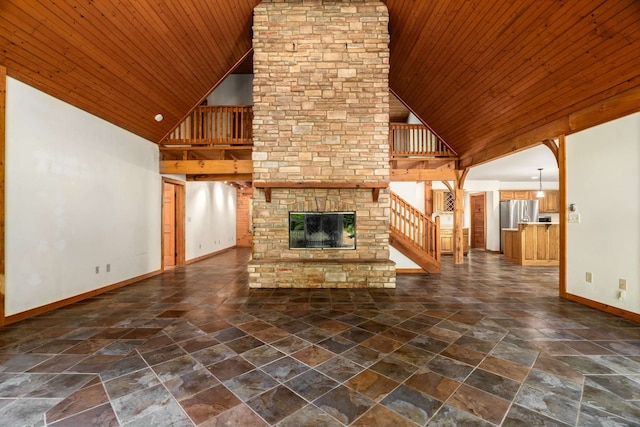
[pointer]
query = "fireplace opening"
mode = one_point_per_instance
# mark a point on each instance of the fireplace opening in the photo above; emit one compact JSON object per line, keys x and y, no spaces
{"x":322,"y":230}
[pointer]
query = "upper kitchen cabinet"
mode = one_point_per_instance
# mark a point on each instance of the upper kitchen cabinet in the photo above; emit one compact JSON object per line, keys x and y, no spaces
{"x":514,"y":195}
{"x":443,"y":201}
{"x":550,"y":203}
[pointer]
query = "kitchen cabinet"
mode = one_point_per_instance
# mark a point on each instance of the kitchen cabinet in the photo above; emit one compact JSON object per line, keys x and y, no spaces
{"x":550,"y":203}
{"x":532,"y":244}
{"x":446,"y":241}
{"x":443,"y":201}
{"x":515,"y":195}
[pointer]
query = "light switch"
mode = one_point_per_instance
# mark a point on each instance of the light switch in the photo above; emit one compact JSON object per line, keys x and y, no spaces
{"x":574,"y":218}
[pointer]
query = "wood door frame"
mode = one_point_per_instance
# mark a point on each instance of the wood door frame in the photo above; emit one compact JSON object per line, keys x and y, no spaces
{"x":179,"y":220}
{"x":484,"y":211}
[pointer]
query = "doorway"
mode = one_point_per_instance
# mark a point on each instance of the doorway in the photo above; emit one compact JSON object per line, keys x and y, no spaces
{"x":478,"y":221}
{"x":172,"y":223}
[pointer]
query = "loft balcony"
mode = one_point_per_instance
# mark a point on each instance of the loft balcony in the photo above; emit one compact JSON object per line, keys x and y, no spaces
{"x":215,"y":143}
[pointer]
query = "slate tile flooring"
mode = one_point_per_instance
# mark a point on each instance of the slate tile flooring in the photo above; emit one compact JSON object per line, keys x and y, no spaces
{"x":485,"y":343}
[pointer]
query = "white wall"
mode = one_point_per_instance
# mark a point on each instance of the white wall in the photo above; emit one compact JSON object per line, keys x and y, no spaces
{"x":236,"y":89}
{"x":81,"y":193}
{"x":210,"y":211}
{"x":603,"y":180}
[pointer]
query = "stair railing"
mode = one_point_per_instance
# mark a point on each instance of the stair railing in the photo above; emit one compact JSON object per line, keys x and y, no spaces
{"x":415,"y":226}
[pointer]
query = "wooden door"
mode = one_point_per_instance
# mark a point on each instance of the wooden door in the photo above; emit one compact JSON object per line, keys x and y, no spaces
{"x":478,"y":220}
{"x":169,"y":224}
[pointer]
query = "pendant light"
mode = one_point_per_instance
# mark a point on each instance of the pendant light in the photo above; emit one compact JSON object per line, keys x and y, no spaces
{"x":540,"y":193}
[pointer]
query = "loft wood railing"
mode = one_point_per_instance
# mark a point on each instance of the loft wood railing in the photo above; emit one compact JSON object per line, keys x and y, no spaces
{"x":415,"y":227}
{"x":416,"y":140}
{"x":209,"y":125}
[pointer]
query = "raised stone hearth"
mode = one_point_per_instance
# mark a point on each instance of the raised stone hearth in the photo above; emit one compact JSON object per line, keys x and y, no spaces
{"x":321,"y":121}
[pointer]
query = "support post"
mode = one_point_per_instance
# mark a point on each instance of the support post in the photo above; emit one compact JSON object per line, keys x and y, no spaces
{"x":458,"y":242}
{"x":562,"y":177}
{"x":428,"y":198}
{"x":458,"y":209}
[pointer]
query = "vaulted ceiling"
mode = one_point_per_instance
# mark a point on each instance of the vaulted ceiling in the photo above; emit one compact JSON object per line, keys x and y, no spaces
{"x":490,"y":77}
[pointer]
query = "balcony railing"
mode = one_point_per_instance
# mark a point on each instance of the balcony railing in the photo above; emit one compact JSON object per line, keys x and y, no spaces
{"x":214,"y":125}
{"x":221,"y":127}
{"x":416,"y":141}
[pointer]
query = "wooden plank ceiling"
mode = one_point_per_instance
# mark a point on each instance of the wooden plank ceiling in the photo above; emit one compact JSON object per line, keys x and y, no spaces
{"x":488,"y":76}
{"x":126,"y":60}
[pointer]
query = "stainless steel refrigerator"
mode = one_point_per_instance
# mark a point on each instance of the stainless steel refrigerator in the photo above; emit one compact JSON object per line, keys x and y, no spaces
{"x":514,"y":211}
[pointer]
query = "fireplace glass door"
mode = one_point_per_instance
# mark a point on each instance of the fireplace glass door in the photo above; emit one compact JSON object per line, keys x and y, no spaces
{"x":322,"y":230}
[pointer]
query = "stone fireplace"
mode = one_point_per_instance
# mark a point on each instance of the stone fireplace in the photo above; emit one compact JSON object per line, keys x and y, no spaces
{"x":321,"y":120}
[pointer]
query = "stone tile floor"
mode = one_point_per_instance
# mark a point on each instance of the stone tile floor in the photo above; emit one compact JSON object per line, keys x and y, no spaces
{"x":484,"y":343}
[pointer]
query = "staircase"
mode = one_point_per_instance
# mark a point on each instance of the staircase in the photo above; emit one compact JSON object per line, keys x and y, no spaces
{"x":415,"y":235}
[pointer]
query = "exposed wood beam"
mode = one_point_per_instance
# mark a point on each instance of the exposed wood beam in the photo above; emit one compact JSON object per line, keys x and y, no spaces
{"x":617,"y":106}
{"x":200,"y":167}
{"x":423,"y":175}
{"x":462,"y":176}
{"x":450,"y":187}
{"x":221,"y":177}
{"x":3,"y":109}
{"x":551,"y":145}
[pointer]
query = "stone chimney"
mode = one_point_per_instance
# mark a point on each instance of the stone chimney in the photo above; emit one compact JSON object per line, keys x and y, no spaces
{"x":321,"y":124}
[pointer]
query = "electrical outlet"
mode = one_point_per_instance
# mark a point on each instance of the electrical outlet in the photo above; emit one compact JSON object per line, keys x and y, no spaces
{"x":108,"y":268}
{"x":622,"y":284}
{"x":97,"y":269}
{"x":588,"y":277}
{"x":621,"y":295}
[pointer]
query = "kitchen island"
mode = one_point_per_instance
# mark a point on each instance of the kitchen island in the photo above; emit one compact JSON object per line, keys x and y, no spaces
{"x":532,"y":243}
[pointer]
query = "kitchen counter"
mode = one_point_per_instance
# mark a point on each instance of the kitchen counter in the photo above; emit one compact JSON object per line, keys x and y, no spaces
{"x":532,"y":243}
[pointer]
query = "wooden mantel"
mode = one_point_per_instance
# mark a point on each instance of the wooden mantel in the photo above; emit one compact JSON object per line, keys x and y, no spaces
{"x":374,"y":186}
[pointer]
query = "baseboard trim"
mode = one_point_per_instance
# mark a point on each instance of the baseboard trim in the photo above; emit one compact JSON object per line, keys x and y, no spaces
{"x":71,"y":300}
{"x":209,"y":255}
{"x":629,"y":315}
